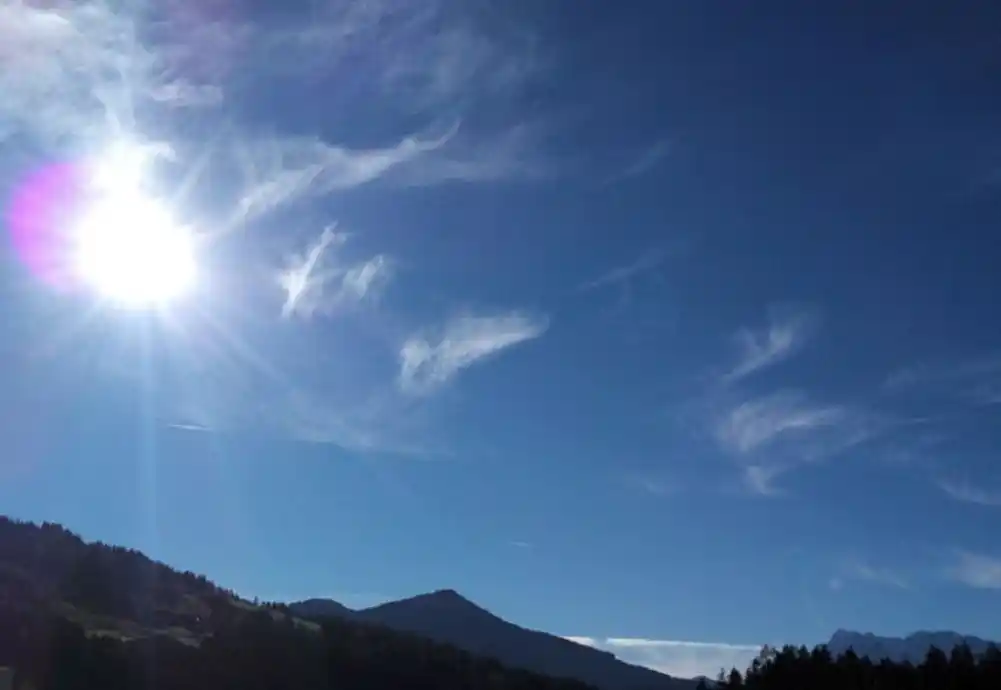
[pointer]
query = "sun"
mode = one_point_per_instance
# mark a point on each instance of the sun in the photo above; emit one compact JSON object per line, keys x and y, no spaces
{"x":126,"y":246}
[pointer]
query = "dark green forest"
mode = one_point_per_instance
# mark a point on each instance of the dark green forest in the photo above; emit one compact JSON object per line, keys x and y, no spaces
{"x":798,"y":668}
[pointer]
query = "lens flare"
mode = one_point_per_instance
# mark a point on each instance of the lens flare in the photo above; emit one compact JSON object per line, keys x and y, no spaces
{"x":39,"y":210}
{"x":94,"y":226}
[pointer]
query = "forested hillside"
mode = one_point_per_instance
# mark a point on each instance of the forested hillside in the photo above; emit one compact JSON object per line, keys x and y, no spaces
{"x":83,"y":616}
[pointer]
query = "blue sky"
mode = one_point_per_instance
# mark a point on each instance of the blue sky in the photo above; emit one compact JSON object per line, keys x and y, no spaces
{"x":672,"y":330}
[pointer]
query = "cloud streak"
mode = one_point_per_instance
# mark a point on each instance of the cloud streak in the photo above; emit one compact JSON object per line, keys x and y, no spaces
{"x":281,"y":170}
{"x":73,"y":71}
{"x":756,"y":423}
{"x":773,"y":434}
{"x":644,"y":162}
{"x":649,"y":261}
{"x":976,"y":380}
{"x":316,"y":283}
{"x":428,"y":362}
{"x":193,"y":428}
{"x":966,"y":492}
{"x":863,"y":572}
{"x":678,"y":658}
{"x":976,"y":570}
{"x":784,"y":336}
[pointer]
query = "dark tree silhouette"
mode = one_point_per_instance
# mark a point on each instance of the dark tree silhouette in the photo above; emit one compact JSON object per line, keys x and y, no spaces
{"x":794,"y":668}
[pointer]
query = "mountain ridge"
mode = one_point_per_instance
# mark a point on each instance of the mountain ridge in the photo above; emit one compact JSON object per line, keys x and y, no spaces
{"x":447,"y":616}
{"x":910,"y":648}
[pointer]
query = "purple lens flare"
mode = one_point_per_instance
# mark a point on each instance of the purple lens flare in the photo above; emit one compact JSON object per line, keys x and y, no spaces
{"x":38,"y":217}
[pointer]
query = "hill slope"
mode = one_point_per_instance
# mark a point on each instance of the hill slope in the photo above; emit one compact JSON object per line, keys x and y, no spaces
{"x":448,"y":617}
{"x":76,"y":616}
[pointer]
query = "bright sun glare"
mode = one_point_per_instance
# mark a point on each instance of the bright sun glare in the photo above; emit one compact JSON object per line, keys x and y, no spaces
{"x":127,"y":247}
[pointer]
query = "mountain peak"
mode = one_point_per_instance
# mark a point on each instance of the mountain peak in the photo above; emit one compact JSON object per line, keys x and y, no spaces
{"x":445,"y":599}
{"x":447,"y":594}
{"x":446,"y":616}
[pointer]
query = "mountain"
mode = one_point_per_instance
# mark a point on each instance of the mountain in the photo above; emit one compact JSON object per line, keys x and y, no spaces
{"x":323,"y":608}
{"x":912,"y":648}
{"x":446,"y":616}
{"x":77,"y":615}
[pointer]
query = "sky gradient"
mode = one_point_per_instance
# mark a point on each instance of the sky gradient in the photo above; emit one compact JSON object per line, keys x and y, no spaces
{"x":673,"y":330}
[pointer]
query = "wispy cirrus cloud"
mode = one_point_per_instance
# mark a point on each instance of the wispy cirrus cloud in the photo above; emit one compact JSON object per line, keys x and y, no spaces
{"x":976,"y":570}
{"x":655,"y":486}
{"x":966,"y":492}
{"x":430,"y":55}
{"x":378,"y":422}
{"x":678,"y":658}
{"x":190,"y":427}
{"x":976,"y":380}
{"x":786,"y":333}
{"x":621,"y":276}
{"x":278,"y":171}
{"x":860,"y":571}
{"x":770,"y":435}
{"x":644,"y":162}
{"x":72,"y":72}
{"x":429,"y":361}
{"x":758,"y":422}
{"x":317,"y":283}
{"x":75,"y":75}
{"x":760,"y":479}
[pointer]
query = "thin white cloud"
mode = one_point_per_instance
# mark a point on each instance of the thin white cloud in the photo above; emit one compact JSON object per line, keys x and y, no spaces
{"x":380,"y":423}
{"x":73,"y":71}
{"x":771,"y":435}
{"x":650,"y":260}
{"x":978,"y":379}
{"x":656,"y":486}
{"x":863,"y":572}
{"x":281,"y":170}
{"x":316,"y":283}
{"x":784,"y":336}
{"x":506,"y":155}
{"x":906,"y":377}
{"x":760,"y":479}
{"x":986,"y":394}
{"x":182,"y":95}
{"x":756,"y":423}
{"x":966,"y":492}
{"x":677,"y":658}
{"x":420,"y":56}
{"x":976,"y":570}
{"x":643,"y":163}
{"x":195,"y":428}
{"x":444,"y":66}
{"x":521,"y":544}
{"x":428,"y":362}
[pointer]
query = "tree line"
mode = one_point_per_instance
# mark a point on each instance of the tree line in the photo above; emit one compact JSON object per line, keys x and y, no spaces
{"x":798,"y":668}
